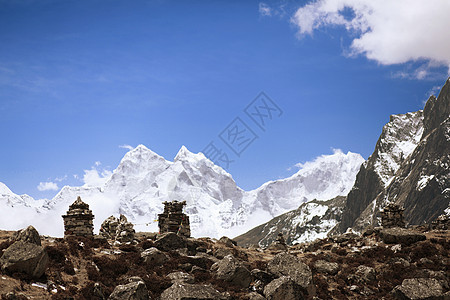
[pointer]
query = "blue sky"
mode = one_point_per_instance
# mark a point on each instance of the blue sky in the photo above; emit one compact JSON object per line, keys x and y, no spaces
{"x":78,"y":79}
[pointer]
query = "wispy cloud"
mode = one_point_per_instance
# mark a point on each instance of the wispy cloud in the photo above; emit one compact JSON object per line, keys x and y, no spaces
{"x":59,"y":179}
{"x":389,"y":32}
{"x":128,"y":147}
{"x":264,"y":10}
{"x":47,"y":186}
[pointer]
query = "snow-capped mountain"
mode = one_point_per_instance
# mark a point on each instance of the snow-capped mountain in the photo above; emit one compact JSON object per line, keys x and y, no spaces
{"x":215,"y":204}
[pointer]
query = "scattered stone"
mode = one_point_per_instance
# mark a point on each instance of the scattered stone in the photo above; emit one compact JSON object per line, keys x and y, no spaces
{"x":173,"y":219}
{"x":283,"y":288}
{"x":284,"y":264}
{"x":108,"y":229}
{"x":263,"y":276}
{"x":392,"y":216}
{"x":25,"y":257}
{"x":181,"y":277}
{"x":232,"y":270}
{"x":441,"y":223}
{"x":418,"y":288}
{"x":401,"y":236}
{"x":170,"y":241}
{"x":79,"y":220}
{"x":154,"y":256}
{"x":323,"y":266}
{"x":399,"y":261}
{"x":29,"y":235}
{"x":135,"y":290}
{"x":98,"y":291}
{"x":227,"y":241}
{"x":185,"y":291}
{"x":117,"y":230}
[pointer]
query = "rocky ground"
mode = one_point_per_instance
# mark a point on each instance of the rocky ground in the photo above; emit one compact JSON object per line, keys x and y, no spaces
{"x":380,"y":264}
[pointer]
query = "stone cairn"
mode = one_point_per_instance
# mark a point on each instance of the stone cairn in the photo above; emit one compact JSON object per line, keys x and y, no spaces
{"x":392,"y":216}
{"x":279,"y":244}
{"x":441,"y":223}
{"x":117,"y":229}
{"x":79,"y":220}
{"x":173,"y":219}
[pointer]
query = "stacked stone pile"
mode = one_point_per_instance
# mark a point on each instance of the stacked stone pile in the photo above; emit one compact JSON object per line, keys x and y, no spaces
{"x":173,"y":219}
{"x":117,"y":229}
{"x":392,"y":216}
{"x":79,"y":220}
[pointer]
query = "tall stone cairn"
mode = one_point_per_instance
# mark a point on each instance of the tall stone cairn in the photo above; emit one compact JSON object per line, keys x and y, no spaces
{"x":173,"y":219}
{"x":392,"y":216}
{"x":79,"y":220}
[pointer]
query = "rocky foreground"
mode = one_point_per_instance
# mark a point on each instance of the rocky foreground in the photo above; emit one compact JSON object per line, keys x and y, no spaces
{"x":393,"y":263}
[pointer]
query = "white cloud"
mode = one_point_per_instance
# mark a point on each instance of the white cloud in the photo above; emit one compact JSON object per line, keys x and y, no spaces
{"x":96,"y":178}
{"x":126,"y":147}
{"x":264,"y":10}
{"x":47,"y":186}
{"x":59,"y":179}
{"x":389,"y":32}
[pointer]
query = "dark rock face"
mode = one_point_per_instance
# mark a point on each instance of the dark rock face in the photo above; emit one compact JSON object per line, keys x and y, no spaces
{"x":170,"y":241}
{"x":232,"y":270}
{"x":283,"y":288}
{"x":25,"y":257}
{"x":186,"y":291}
{"x":135,"y":290}
{"x":285,"y":264}
{"x":419,"y":288}
{"x":401,"y":236}
{"x":29,"y":235}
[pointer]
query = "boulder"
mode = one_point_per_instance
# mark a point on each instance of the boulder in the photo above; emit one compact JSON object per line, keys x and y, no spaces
{"x":184,"y":291}
{"x":419,"y":288}
{"x":25,"y":257}
{"x":283,"y":288}
{"x":227,"y":241}
{"x":181,"y":277}
{"x":135,"y":290}
{"x":232,"y":270}
{"x":402,"y":236}
{"x":170,"y":241}
{"x":220,"y":253}
{"x":284,"y":264}
{"x":323,"y":266}
{"x":29,"y":235}
{"x":261,"y":275}
{"x":154,"y":256}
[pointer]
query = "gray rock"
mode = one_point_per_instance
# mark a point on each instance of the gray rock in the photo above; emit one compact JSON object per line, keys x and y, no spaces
{"x":154,"y":256}
{"x":170,"y":241}
{"x":323,"y":266}
{"x":419,"y":288}
{"x":402,"y":236}
{"x":25,"y":257}
{"x":29,"y":235}
{"x":185,"y":291}
{"x":220,"y":253}
{"x":283,"y":288}
{"x":181,"y":277}
{"x":365,"y":273}
{"x":232,"y":270}
{"x":285,"y":264}
{"x":262,"y":275}
{"x":135,"y":290}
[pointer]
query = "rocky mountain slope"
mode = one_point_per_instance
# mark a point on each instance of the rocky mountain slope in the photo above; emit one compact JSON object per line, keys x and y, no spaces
{"x":215,"y":204}
{"x":409,"y":166}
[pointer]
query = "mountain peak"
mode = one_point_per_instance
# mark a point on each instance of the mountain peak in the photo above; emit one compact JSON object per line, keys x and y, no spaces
{"x":185,"y":154}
